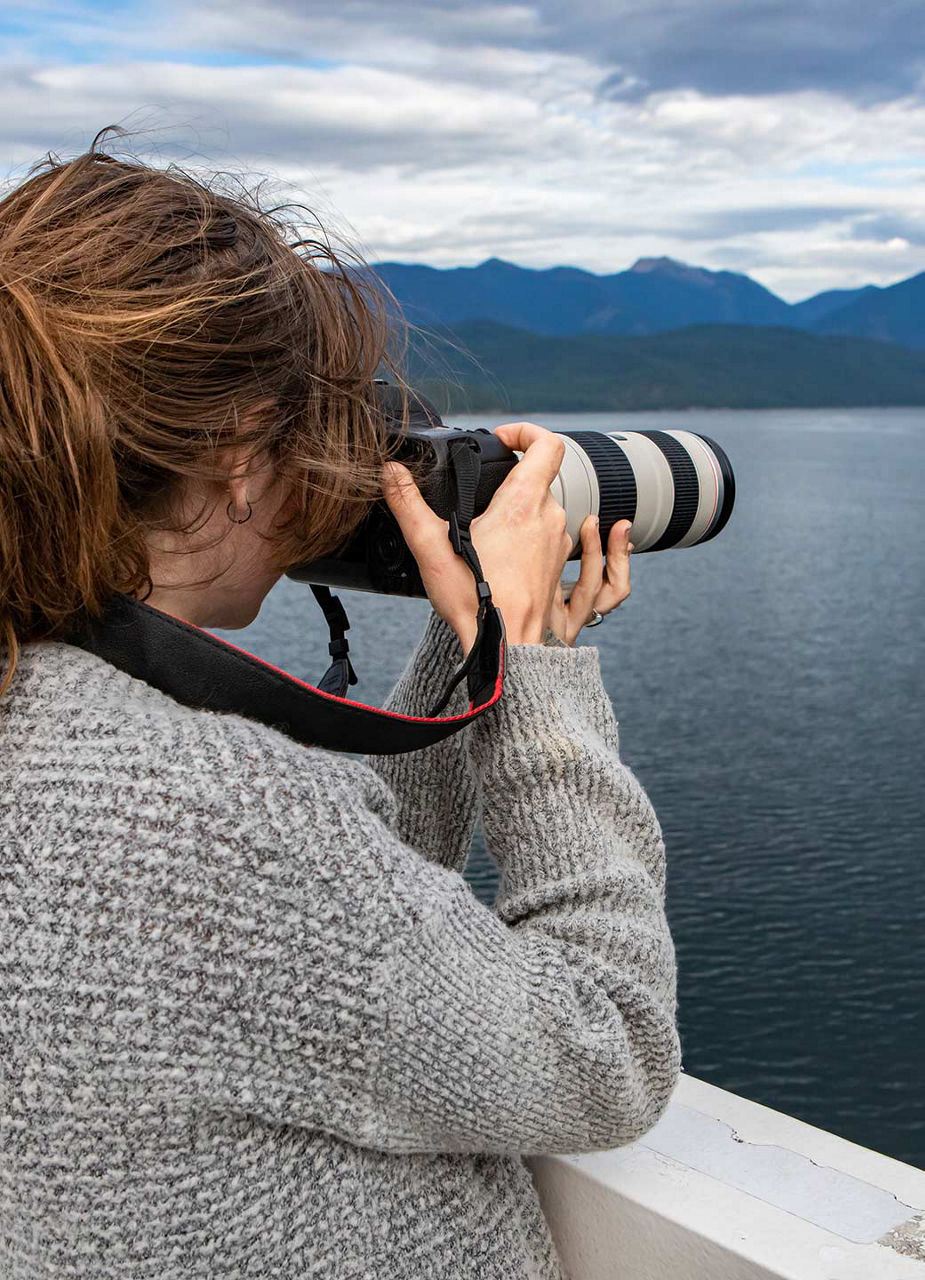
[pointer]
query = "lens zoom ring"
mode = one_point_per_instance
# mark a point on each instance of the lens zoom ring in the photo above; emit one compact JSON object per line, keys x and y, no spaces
{"x":686,"y":489}
{"x":616,"y":481}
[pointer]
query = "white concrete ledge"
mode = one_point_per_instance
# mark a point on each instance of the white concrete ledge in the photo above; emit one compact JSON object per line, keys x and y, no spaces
{"x":725,"y":1189}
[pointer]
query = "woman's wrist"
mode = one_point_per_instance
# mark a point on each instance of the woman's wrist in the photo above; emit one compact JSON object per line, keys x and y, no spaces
{"x":465,"y":634}
{"x":534,"y":636}
{"x":539,"y":634}
{"x":524,"y":626}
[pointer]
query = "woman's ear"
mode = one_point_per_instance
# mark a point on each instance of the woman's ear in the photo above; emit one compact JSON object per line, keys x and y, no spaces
{"x":248,"y":474}
{"x":240,"y":477}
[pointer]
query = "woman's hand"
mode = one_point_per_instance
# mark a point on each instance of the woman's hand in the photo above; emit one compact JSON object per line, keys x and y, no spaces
{"x":600,"y":587}
{"x":521,"y":542}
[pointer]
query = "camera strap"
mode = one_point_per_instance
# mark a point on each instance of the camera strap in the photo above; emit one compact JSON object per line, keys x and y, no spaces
{"x":203,"y":671}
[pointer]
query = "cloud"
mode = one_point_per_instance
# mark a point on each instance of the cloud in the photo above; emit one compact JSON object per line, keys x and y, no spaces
{"x":873,"y":52}
{"x":866,"y":53}
{"x":730,"y":223}
{"x":446,"y":132}
{"x":900,"y":229}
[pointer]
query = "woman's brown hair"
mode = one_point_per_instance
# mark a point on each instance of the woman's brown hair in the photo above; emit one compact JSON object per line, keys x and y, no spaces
{"x":146,"y":322}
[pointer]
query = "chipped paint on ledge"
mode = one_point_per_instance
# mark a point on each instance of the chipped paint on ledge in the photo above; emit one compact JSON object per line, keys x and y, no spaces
{"x":908,"y":1238}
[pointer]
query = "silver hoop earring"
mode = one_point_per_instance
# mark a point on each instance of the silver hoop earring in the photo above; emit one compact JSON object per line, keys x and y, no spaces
{"x":233,"y":519}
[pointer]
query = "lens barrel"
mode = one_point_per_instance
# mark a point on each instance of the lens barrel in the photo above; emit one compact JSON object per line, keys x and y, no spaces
{"x":676,"y":487}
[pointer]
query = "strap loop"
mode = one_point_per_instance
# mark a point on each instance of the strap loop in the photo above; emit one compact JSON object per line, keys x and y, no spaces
{"x":340,"y":674}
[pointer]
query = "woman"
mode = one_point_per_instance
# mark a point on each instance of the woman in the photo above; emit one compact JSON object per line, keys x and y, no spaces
{"x":252,"y":1020}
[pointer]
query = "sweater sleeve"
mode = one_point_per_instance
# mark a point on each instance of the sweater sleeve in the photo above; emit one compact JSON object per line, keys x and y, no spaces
{"x":350,"y":985}
{"x":437,"y":789}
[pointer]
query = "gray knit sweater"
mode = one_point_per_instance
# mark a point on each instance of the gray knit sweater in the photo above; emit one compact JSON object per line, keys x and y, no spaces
{"x":253,"y":1022}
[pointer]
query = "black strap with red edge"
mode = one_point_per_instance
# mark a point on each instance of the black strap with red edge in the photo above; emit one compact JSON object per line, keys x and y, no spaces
{"x":200,"y":670}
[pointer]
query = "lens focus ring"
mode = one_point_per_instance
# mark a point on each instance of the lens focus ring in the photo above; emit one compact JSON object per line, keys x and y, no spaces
{"x":615,"y":479}
{"x":686,"y":488}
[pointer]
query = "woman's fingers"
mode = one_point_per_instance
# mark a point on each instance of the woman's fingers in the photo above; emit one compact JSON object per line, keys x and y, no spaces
{"x":518,"y":435}
{"x":590,"y":578}
{"x":543,"y":453}
{"x":421,"y":527}
{"x":447,"y":580}
{"x":523,"y":544}
{"x":406,"y":503}
{"x":616,"y":586}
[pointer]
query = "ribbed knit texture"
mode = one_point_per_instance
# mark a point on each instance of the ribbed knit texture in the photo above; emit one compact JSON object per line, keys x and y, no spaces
{"x":254,"y":1023}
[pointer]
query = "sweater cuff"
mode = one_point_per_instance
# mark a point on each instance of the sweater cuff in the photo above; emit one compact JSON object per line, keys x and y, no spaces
{"x":548,"y":691}
{"x":551,"y":772}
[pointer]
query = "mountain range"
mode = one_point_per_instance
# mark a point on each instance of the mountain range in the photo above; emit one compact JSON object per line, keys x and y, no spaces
{"x":653,"y":296}
{"x":659,"y":335}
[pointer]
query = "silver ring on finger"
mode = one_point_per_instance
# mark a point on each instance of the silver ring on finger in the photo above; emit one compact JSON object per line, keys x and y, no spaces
{"x":594,"y":619}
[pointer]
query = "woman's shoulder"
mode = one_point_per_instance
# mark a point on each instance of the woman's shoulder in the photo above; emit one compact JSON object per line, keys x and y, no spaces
{"x":112,"y":792}
{"x":77,"y":711}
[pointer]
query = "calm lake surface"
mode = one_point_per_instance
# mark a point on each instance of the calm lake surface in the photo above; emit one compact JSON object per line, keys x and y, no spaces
{"x":769,"y":688}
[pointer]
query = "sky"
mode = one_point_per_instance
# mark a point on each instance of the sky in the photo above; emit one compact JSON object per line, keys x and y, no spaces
{"x":782,"y":138}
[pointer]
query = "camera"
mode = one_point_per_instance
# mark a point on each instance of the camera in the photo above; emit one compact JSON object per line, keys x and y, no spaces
{"x":676,"y":487}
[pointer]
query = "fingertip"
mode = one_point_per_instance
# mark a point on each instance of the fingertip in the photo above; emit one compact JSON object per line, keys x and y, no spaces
{"x":590,"y":533}
{"x":620,"y":534}
{"x":398,"y":483}
{"x":400,"y":491}
{"x":395,"y":472}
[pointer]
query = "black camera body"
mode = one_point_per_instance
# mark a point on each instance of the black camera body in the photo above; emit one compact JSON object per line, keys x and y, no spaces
{"x":377,"y":557}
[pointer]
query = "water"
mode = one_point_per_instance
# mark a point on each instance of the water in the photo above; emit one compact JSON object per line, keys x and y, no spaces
{"x":769,"y":691}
